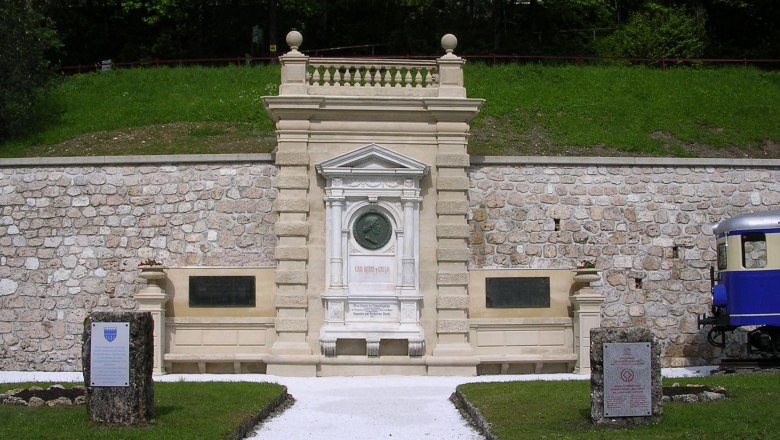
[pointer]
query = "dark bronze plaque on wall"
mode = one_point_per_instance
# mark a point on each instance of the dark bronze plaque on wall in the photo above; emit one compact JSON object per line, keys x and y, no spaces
{"x":525,"y":292}
{"x":372,"y":230}
{"x":222,"y":291}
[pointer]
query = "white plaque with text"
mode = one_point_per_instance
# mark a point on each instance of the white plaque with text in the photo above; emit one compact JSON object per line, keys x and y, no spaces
{"x":110,"y":354}
{"x":373,"y":311}
{"x":627,"y":380}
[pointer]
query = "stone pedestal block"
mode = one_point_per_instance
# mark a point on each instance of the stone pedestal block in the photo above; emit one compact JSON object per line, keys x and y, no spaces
{"x":626,"y":384}
{"x":121,"y":405}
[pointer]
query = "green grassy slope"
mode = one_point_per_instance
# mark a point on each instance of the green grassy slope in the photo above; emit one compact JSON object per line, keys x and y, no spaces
{"x":529,"y":109}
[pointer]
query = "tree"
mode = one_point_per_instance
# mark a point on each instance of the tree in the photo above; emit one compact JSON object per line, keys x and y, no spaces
{"x":657,"y":31}
{"x":25,"y":71}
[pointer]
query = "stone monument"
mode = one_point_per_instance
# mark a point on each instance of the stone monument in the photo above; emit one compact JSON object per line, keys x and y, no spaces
{"x":117,"y":355}
{"x":626,"y":384}
{"x":373,"y":220}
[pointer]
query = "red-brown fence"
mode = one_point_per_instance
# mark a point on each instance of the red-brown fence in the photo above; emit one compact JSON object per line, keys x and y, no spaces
{"x":489,"y":58}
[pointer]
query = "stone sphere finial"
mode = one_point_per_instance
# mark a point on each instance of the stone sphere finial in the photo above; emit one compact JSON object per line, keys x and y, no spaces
{"x":294,"y":39}
{"x":449,"y":43}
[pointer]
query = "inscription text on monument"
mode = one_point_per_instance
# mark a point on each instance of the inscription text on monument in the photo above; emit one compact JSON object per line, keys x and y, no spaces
{"x":627,"y":380}
{"x":373,"y":311}
{"x":110,"y":354}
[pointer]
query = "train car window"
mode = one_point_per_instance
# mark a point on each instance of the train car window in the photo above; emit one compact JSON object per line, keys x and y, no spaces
{"x":754,"y":250}
{"x":722,"y":256}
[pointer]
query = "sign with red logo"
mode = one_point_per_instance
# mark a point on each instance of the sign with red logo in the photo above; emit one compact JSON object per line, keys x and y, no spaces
{"x":627,"y":380}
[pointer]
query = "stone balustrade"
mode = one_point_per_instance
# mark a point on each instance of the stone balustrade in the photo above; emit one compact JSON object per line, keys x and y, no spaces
{"x":371,"y":73}
{"x":302,"y":75}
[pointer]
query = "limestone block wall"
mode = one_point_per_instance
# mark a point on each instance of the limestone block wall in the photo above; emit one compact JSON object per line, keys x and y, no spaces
{"x":647,"y":223}
{"x":73,"y":231}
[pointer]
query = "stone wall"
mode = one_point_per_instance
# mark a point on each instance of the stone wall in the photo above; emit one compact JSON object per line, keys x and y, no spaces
{"x":646,"y":223}
{"x":73,"y":231}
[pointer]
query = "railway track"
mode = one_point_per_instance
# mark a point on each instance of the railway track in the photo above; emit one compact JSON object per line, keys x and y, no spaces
{"x":734,"y":365}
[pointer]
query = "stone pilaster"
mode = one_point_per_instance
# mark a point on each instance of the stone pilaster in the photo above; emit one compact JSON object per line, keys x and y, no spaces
{"x":452,"y":230}
{"x":452,"y":251}
{"x":292,"y":229}
{"x":586,"y":305}
{"x":152,"y":299}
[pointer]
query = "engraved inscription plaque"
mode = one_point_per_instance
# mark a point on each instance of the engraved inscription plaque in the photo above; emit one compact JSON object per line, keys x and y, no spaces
{"x":627,"y":380}
{"x":110,"y":354}
{"x":372,"y":312}
{"x":222,"y":291}
{"x":517,"y":292}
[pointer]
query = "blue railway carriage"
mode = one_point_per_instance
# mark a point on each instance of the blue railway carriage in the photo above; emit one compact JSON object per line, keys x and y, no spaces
{"x":746,"y":291}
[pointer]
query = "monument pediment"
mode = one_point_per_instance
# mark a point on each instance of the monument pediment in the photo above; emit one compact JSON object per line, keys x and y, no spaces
{"x":372,"y":160}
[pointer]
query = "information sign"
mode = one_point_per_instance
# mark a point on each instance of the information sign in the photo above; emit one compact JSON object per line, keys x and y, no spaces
{"x":110,"y":354}
{"x":627,"y":380}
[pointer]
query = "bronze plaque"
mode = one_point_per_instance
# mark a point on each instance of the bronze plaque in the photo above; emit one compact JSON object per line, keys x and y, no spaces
{"x":222,"y":291}
{"x":372,"y":230}
{"x":517,"y":292}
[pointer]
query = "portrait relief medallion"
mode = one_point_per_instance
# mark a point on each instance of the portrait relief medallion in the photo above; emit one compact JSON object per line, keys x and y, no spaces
{"x":372,"y":230}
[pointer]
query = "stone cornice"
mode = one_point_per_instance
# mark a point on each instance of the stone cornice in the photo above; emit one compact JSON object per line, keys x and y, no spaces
{"x":35,"y":162}
{"x":172,"y":159}
{"x":625,"y":161}
{"x":372,"y":108}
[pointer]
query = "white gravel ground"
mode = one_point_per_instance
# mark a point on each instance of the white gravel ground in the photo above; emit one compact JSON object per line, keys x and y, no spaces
{"x":357,"y":408}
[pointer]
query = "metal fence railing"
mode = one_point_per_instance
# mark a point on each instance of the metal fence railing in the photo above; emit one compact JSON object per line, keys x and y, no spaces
{"x":488,"y":58}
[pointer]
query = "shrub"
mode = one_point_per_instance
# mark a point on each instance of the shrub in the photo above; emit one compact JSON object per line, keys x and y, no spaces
{"x":656,"y":32}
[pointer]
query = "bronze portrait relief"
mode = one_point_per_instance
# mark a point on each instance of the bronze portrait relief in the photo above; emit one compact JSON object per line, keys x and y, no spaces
{"x":372,"y":230}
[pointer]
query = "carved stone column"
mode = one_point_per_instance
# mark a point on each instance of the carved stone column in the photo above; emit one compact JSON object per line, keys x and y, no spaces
{"x":408,"y":275}
{"x":586,"y":305}
{"x":152,"y":299}
{"x":335,"y":207}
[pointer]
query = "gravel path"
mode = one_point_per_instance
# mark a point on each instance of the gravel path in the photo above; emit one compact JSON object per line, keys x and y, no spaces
{"x":370,"y":408}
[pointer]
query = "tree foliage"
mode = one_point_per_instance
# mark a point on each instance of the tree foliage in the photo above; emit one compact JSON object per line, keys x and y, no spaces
{"x":130,"y":30}
{"x":24,"y":69}
{"x":657,"y":31}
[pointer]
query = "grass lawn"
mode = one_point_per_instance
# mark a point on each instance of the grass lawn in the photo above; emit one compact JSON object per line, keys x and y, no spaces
{"x":629,"y":110}
{"x":153,"y":111}
{"x":209,"y":410}
{"x":529,"y":110}
{"x":561,"y":410}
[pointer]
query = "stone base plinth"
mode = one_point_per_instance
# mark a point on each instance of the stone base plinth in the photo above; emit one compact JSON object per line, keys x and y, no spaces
{"x":122,"y":405}
{"x":628,"y":376}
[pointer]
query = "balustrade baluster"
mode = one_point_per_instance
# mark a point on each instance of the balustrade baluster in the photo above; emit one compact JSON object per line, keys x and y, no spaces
{"x":387,"y":78}
{"x":348,"y":78}
{"x":418,"y":79}
{"x":326,"y":77}
{"x":397,"y":79}
{"x":337,"y":76}
{"x":362,"y":73}
{"x":315,"y":77}
{"x":408,"y":78}
{"x":432,"y":77}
